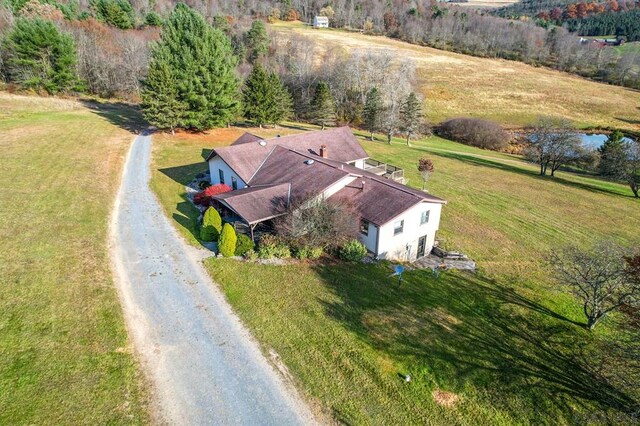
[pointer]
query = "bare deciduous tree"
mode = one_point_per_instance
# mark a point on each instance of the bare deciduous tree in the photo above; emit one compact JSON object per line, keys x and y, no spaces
{"x":598,"y":277}
{"x":317,"y":222}
{"x":552,"y":144}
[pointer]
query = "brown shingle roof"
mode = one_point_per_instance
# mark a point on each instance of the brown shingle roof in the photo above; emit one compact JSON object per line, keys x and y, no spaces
{"x":247,"y":138}
{"x":279,"y":170}
{"x":257,"y":203}
{"x":288,"y":166}
{"x":246,"y":157}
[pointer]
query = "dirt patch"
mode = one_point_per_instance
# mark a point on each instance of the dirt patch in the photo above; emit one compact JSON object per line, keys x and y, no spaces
{"x":445,"y":399}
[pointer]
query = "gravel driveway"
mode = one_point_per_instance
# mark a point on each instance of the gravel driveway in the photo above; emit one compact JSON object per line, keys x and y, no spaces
{"x":202,"y":364}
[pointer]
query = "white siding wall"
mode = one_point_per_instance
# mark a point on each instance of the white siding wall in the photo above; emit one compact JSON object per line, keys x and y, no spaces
{"x":216,"y":164}
{"x":338,"y":186}
{"x":359,"y":164}
{"x":320,"y":22}
{"x":395,"y":246}
{"x":369,"y":240}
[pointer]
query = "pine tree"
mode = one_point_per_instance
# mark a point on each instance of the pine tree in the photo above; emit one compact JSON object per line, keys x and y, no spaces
{"x":160,"y":104}
{"x":613,"y":156}
{"x":410,"y":115}
{"x":39,"y":56}
{"x":284,"y":102}
{"x":118,"y":13}
{"x":202,"y":64}
{"x":265,"y":99}
{"x":322,"y":106}
{"x":257,"y":40}
{"x":372,"y":111}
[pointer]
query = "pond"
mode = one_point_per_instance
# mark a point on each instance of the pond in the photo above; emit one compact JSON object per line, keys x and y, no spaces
{"x":595,"y":141}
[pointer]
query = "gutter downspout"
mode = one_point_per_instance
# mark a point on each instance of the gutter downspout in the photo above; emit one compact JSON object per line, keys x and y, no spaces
{"x":377,"y":240}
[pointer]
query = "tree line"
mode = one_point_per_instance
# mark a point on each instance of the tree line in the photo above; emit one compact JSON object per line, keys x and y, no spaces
{"x":120,"y":30}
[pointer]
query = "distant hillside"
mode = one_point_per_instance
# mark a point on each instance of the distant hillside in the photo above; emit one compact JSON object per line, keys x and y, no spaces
{"x":530,"y":7}
{"x":585,"y":18}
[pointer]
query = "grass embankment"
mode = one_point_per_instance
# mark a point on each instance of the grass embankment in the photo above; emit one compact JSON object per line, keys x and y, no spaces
{"x":511,"y":93}
{"x":504,"y":341}
{"x":64,"y":353}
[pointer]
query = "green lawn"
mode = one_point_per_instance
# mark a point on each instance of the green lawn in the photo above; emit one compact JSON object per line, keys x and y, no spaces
{"x":505,"y":341}
{"x":64,"y":353}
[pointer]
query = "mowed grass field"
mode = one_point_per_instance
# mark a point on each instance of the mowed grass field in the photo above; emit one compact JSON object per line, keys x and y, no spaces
{"x":64,"y":353}
{"x":505,"y":342}
{"x":511,"y":93}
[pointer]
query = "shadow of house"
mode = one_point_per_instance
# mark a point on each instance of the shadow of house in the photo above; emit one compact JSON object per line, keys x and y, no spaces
{"x":490,"y":338}
{"x":187,"y":216}
{"x":123,"y":115}
{"x":184,"y":174}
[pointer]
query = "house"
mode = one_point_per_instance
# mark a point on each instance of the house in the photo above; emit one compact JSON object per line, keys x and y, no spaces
{"x":320,"y":22}
{"x":396,"y":221}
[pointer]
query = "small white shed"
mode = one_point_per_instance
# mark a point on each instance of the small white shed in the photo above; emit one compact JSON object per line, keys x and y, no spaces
{"x":320,"y":22}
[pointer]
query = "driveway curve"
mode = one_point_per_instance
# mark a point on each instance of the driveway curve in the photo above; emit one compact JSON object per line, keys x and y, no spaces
{"x":202,"y":364}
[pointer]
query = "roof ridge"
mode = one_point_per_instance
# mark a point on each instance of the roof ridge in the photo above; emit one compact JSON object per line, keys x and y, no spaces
{"x":262,"y":163}
{"x":320,"y":159}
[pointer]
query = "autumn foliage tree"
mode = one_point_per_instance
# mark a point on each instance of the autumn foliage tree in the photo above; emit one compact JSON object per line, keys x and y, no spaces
{"x":425,"y":167}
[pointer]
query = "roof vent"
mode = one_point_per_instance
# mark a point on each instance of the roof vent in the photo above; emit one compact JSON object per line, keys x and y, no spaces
{"x":308,"y":162}
{"x":262,"y":143}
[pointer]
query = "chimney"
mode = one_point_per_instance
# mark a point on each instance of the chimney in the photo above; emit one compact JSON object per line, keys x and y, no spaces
{"x":362,"y":189}
{"x":324,"y":152}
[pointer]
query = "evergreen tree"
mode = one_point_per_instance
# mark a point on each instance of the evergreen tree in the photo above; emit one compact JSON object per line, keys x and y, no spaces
{"x":265,"y":99}
{"x":372,"y":111}
{"x":228,"y":240}
{"x":160,"y":104}
{"x":410,"y":115}
{"x":613,"y":156}
{"x":322,"y":106}
{"x":284,"y":102}
{"x":118,"y":13}
{"x":211,"y":225}
{"x":153,"y":19}
{"x":39,"y":56}
{"x":257,"y":40}
{"x":202,"y":63}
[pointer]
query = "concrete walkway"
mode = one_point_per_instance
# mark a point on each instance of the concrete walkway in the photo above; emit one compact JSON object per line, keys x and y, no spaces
{"x":203,"y":366}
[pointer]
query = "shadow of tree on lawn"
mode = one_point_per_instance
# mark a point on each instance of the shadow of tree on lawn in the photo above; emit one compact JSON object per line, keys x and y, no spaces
{"x":515,"y":169}
{"x":121,"y":114}
{"x":463,"y":330}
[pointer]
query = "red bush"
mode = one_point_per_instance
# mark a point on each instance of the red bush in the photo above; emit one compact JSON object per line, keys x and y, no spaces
{"x":204,"y":197}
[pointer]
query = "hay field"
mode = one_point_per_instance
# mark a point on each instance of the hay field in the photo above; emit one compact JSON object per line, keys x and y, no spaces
{"x":509,"y":92}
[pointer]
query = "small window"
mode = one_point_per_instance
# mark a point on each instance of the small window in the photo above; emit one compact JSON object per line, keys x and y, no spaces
{"x":424,"y":217}
{"x":221,"y":174}
{"x":234,"y":183}
{"x":364,"y":227}
{"x":398,"y":227}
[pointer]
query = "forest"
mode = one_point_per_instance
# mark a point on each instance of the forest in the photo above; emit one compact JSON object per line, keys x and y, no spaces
{"x":111,"y":37}
{"x":584,"y":18}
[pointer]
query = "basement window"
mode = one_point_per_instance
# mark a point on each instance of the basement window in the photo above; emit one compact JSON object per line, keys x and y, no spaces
{"x":364,"y":227}
{"x":398,"y":227}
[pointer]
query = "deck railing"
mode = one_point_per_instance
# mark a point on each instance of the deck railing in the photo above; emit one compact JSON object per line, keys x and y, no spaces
{"x":383,"y":169}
